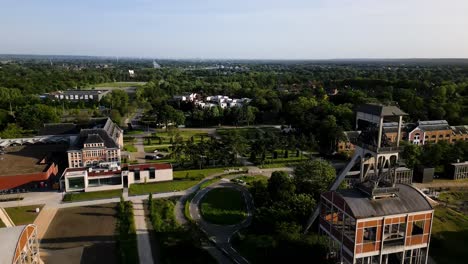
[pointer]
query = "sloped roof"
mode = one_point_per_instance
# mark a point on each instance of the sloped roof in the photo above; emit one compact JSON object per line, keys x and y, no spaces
{"x":459,"y":129}
{"x":93,"y":138}
{"x":58,"y":129}
{"x":381,"y":110}
{"x":434,"y":125}
{"x":86,"y":133}
{"x":408,"y":200}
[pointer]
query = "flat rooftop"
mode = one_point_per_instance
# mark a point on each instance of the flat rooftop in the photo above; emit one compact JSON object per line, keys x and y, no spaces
{"x":27,"y":159}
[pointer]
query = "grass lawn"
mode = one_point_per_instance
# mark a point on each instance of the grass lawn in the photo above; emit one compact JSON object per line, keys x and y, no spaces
{"x":130,"y":148}
{"x":247,"y":132}
{"x":250,"y":179}
{"x":187,"y":207}
{"x":23,"y":215}
{"x":279,"y":165}
{"x":2,"y":224}
{"x":84,"y":196}
{"x":164,"y":148}
{"x":223,"y":206}
{"x":209,"y":182}
{"x":134,"y":132}
{"x":197,"y":174}
{"x":160,"y":187}
{"x":449,"y":236}
{"x":185,"y":134}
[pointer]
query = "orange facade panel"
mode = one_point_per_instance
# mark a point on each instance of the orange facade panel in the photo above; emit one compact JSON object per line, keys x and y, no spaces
{"x":419,"y":217}
{"x":369,"y":247}
{"x":359,"y":236}
{"x":372,"y":223}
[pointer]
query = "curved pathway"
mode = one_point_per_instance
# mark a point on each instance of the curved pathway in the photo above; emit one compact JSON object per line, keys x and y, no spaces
{"x":221,"y":234}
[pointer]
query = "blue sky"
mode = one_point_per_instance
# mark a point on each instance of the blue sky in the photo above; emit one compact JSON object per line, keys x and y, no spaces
{"x":248,"y":29}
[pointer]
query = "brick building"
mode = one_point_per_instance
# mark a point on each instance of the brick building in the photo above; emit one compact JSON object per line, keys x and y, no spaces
{"x":419,"y":133}
{"x":31,"y":166}
{"x":99,"y":140}
{"x":389,"y":230}
{"x":377,"y":219}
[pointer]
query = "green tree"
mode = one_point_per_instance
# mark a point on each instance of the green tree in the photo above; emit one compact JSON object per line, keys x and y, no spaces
{"x":11,"y":131}
{"x":314,"y":177}
{"x":411,"y":154}
{"x":280,"y":186}
{"x":117,"y":99}
{"x":34,"y":116}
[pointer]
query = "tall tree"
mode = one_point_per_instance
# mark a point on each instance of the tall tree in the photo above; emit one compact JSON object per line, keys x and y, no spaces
{"x":314,"y":177}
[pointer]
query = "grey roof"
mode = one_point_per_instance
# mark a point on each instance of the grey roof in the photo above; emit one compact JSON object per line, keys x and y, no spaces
{"x":85,"y":133}
{"x":83,"y":92}
{"x":459,"y":129}
{"x":9,"y":237}
{"x":434,"y":125}
{"x":71,"y":128}
{"x":93,"y":138}
{"x":58,"y":129}
{"x":408,"y":200}
{"x":381,"y":110}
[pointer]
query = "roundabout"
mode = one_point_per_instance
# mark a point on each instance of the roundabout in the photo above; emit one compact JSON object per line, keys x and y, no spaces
{"x":220,"y":210}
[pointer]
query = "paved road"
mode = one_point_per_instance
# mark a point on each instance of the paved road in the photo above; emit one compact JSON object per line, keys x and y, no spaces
{"x":221,"y":234}
{"x":143,"y":237}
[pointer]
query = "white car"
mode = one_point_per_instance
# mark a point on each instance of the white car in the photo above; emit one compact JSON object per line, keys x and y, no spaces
{"x":155,"y":151}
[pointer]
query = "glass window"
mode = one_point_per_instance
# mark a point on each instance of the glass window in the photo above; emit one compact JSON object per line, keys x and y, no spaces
{"x":76,"y":183}
{"x":418,"y":228}
{"x":152,"y":173}
{"x":369,"y":234}
{"x":137,"y":175}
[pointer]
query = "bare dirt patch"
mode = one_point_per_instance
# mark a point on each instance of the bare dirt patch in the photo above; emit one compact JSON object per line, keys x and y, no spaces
{"x":90,"y":227}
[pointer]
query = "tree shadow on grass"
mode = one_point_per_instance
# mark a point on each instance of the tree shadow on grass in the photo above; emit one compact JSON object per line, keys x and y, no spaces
{"x":449,"y":247}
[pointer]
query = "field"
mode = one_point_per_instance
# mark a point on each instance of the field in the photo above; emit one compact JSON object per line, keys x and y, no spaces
{"x":247,"y":132}
{"x":223,"y":206}
{"x":90,"y":227}
{"x":23,"y":215}
{"x":160,"y":187}
{"x":118,"y":84}
{"x":84,"y":196}
{"x":197,"y":174}
{"x":250,"y":179}
{"x":129,"y":148}
{"x":450,"y":229}
{"x":209,"y":182}
{"x":166,"y":136}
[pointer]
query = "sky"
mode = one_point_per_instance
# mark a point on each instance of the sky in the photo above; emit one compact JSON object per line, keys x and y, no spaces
{"x":236,"y":29}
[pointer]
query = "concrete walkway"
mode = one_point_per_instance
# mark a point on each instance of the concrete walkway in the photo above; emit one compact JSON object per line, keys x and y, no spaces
{"x":5,"y":218}
{"x":44,"y":219}
{"x":143,"y":239}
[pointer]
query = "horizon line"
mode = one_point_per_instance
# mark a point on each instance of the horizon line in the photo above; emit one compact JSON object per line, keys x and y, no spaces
{"x":241,"y":59}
